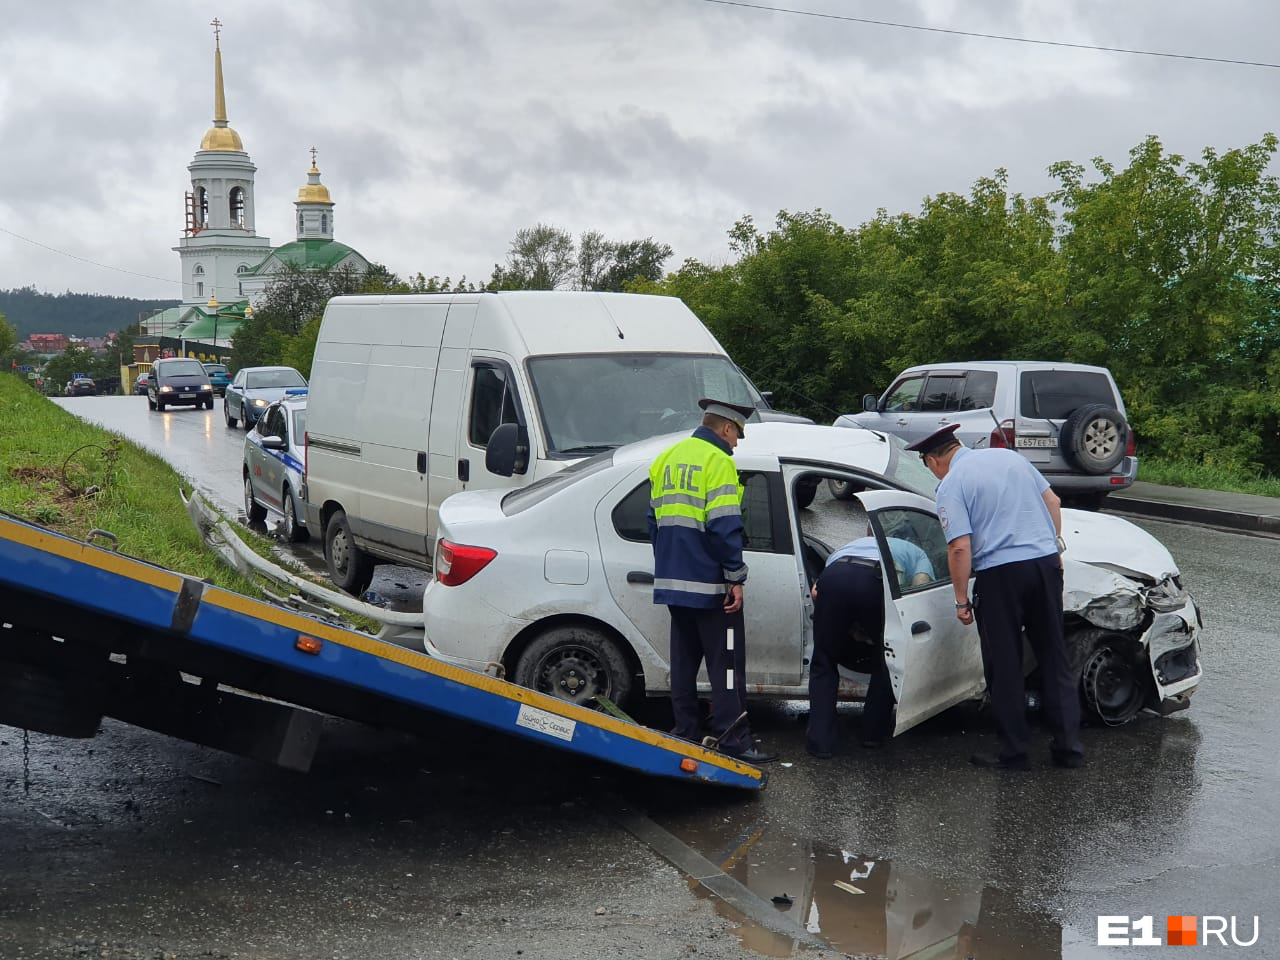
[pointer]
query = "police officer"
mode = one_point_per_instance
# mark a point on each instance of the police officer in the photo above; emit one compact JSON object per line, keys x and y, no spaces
{"x":1001,"y":520}
{"x":849,"y":594}
{"x":695,"y":524}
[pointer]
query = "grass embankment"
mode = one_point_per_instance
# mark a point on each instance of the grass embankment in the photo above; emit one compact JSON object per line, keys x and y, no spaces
{"x":1179,"y":473}
{"x":72,"y":477}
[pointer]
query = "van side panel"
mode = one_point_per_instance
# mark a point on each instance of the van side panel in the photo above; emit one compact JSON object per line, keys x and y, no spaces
{"x":447,"y":411}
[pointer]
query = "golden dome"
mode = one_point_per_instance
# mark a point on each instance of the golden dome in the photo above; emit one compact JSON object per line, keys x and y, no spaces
{"x":313,"y":191}
{"x":222,"y":138}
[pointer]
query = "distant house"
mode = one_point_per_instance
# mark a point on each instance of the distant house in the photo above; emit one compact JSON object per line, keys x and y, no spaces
{"x":47,"y":344}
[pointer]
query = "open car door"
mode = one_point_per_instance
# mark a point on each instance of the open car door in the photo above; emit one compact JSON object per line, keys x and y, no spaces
{"x":934,"y":660}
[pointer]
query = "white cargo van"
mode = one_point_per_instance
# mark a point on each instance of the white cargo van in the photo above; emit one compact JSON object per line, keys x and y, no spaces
{"x":416,"y":397}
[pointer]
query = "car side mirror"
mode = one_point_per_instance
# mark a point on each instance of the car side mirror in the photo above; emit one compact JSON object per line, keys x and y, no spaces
{"x":273,"y":443}
{"x":870,"y":402}
{"x":508,"y":450}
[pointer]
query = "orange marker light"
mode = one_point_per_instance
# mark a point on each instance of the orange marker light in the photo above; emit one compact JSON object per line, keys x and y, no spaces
{"x":307,"y":644}
{"x":689,"y":765}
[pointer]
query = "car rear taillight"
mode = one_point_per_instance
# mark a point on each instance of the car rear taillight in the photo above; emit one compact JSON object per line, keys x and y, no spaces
{"x":1131,"y":447}
{"x":456,"y":563}
{"x":1004,"y":436}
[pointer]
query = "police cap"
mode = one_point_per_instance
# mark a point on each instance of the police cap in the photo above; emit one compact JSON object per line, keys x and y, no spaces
{"x":733,"y":412}
{"x":938,"y":440}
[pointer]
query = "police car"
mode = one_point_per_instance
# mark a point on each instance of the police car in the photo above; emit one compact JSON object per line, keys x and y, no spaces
{"x":273,"y":452}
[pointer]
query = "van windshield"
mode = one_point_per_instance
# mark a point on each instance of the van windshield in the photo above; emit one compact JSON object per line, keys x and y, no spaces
{"x":590,"y":403}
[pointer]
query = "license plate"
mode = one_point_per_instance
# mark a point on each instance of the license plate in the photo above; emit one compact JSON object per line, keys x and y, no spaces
{"x":186,"y":396}
{"x":1037,"y":442}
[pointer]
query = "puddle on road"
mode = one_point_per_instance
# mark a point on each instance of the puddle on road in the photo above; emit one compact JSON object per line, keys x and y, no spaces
{"x":881,"y":908}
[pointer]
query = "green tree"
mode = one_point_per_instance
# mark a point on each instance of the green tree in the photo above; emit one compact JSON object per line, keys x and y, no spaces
{"x":62,"y":368}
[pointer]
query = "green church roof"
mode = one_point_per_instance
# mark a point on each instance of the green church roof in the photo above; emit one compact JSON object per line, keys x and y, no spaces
{"x":307,"y":254}
{"x":230,"y":316}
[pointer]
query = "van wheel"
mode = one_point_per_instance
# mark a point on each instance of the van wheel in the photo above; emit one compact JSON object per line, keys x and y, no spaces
{"x":349,"y":566}
{"x":577,"y":664}
{"x":293,"y":531}
{"x":255,"y":511}
{"x":841,"y":489}
{"x":1094,"y":438}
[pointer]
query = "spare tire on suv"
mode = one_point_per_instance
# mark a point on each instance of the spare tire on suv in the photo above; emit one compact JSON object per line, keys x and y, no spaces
{"x":1094,"y":438}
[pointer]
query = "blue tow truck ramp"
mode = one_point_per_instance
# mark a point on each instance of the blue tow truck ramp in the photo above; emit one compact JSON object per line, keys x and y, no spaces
{"x":89,"y":632}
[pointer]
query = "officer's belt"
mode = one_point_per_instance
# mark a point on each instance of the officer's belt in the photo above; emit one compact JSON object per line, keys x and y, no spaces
{"x":861,"y":562}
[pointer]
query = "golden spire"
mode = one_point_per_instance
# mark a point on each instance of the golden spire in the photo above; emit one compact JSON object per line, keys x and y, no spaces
{"x":219,"y":137}
{"x":313,"y":191}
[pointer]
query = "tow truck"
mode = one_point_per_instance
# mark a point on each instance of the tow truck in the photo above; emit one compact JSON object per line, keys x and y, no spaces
{"x":88,"y":632}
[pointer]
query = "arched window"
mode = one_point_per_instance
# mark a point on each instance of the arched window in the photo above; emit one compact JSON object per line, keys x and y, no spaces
{"x":324,"y":223}
{"x":243,"y":268}
{"x":302,"y":224}
{"x":236,"y":200}
{"x":202,"y":207}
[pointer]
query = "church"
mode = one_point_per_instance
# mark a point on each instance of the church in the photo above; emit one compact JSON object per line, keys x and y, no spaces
{"x":226,"y":266}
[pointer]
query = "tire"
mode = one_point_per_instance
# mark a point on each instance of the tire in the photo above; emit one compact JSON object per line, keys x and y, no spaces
{"x":575,"y":663}
{"x":160,"y":405}
{"x":33,"y":699}
{"x":255,"y":511}
{"x":151,"y":403}
{"x":209,"y":404}
{"x":841,"y":489}
{"x":806,"y":490}
{"x":1094,"y":438}
{"x":349,"y":566}
{"x":293,"y":531}
{"x":226,"y":413}
{"x":1113,"y":684}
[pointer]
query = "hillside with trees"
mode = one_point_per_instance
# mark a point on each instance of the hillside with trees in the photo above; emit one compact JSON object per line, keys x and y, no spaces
{"x":75,"y":314}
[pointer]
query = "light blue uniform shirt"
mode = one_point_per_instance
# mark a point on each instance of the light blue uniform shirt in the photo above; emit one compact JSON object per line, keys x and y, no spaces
{"x":908,"y":558}
{"x":996,"y":497}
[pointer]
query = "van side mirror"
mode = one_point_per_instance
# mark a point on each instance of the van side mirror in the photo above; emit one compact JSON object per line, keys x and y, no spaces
{"x":870,"y":402}
{"x":508,"y":450}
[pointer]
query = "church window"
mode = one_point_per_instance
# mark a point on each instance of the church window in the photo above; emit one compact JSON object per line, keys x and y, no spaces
{"x":243,"y":268}
{"x":324,"y":223}
{"x":199,"y":288}
{"x":237,"y":206}
{"x":202,"y":206}
{"x":302,"y":226}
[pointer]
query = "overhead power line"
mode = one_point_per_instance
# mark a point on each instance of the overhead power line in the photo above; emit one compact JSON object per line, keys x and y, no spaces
{"x":993,"y":36}
{"x":64,"y":253}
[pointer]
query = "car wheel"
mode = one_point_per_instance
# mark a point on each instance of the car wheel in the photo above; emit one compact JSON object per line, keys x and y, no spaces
{"x":226,"y":413}
{"x":1094,"y":438}
{"x":209,"y":404}
{"x":577,"y":664}
{"x":151,"y":403}
{"x":160,"y":405}
{"x":255,"y":511}
{"x":349,"y":566}
{"x":841,"y":489}
{"x":293,"y":531}
{"x":1113,"y":684}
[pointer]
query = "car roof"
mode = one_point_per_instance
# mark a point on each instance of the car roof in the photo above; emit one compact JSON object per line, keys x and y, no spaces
{"x":961,"y":365}
{"x":242,"y":369}
{"x":767,"y":443}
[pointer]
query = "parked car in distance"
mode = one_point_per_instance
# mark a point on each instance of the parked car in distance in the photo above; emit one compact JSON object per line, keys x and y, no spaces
{"x":140,"y":385}
{"x":273,"y":458}
{"x":80,"y":387}
{"x":253,"y":389}
{"x":178,"y":381}
{"x":555,"y":582}
{"x":218,"y":376}
{"x":1068,"y":419}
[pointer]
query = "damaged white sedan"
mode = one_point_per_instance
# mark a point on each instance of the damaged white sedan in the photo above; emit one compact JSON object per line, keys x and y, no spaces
{"x":553,"y":583}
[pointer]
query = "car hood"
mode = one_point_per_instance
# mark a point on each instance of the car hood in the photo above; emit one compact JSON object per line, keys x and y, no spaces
{"x":1106,"y":541}
{"x":268,"y":394}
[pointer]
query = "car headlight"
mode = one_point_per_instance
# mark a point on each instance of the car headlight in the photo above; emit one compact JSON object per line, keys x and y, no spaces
{"x":1168,"y":595}
{"x":166,"y":389}
{"x":205,"y":386}
{"x":259,"y":403}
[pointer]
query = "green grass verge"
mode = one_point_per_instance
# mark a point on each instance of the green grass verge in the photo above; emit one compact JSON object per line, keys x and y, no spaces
{"x":1184,"y":473}
{"x":72,"y":477}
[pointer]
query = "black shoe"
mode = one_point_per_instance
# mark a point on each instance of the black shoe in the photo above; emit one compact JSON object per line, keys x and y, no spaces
{"x":753,"y":755}
{"x":1069,"y":759}
{"x":819,"y":753}
{"x":991,"y":761}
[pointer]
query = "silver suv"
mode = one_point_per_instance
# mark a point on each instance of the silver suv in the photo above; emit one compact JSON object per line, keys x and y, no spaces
{"x":1066,"y":418}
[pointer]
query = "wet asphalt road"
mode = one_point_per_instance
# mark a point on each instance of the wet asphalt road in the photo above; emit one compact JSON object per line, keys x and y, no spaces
{"x":134,"y":845}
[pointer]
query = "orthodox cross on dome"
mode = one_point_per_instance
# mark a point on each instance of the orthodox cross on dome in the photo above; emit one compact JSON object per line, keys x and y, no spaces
{"x":313,"y":156}
{"x":217,"y":29}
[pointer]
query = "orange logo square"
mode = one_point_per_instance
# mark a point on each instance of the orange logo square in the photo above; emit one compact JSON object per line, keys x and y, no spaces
{"x":1182,"y":932}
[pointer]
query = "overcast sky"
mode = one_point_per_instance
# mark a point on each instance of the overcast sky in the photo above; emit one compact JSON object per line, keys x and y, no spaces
{"x":445,"y":127}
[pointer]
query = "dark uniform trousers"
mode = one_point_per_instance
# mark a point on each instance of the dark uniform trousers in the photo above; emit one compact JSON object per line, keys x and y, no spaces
{"x":699,"y":633}
{"x":850,"y":593}
{"x":1007,"y":598}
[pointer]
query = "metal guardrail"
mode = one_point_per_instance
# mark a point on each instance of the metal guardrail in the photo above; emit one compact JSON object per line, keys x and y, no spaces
{"x":404,"y":629}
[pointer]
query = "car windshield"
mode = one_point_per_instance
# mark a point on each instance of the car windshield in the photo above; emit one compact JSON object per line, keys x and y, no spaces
{"x":525,"y":497}
{"x":597,"y":402}
{"x":906,"y":470}
{"x":215,"y":369}
{"x":182,"y":368}
{"x":260,"y":379}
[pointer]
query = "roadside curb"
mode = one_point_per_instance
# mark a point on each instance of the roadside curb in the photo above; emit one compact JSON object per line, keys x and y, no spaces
{"x":1189,"y":513}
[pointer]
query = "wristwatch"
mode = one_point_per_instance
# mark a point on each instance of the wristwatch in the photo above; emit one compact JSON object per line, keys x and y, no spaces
{"x":964,"y":606}
{"x":1062,"y":545}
